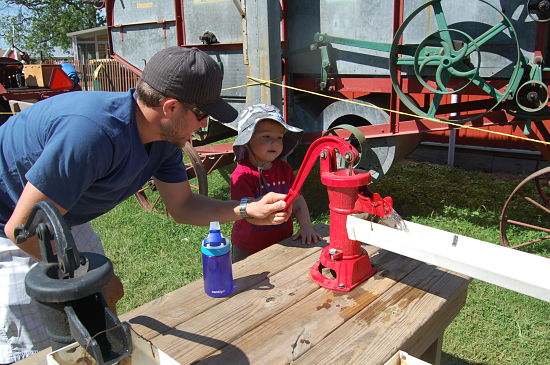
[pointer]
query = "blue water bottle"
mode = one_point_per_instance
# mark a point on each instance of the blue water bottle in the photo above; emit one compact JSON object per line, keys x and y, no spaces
{"x":216,"y":263}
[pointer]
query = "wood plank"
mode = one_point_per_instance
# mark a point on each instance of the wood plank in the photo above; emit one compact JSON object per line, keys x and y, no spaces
{"x":189,"y":301}
{"x":395,"y":320}
{"x":285,"y":337}
{"x":218,"y":326}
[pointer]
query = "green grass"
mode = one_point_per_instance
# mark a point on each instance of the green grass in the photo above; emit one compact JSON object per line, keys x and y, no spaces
{"x":153,"y":255}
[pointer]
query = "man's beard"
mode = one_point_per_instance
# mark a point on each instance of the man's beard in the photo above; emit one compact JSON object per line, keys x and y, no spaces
{"x":169,"y":134}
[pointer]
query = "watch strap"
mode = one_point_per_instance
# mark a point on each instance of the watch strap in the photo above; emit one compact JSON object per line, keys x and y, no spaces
{"x":242,"y":208}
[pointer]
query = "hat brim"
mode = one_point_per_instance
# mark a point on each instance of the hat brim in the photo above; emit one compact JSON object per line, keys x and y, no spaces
{"x":220,"y":110}
{"x":291,"y":138}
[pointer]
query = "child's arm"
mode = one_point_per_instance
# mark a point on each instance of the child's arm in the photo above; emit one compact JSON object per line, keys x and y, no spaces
{"x":306,"y":232}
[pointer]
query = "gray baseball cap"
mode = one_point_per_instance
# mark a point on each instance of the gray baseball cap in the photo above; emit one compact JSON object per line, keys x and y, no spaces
{"x":191,"y":76}
{"x":249,"y":118}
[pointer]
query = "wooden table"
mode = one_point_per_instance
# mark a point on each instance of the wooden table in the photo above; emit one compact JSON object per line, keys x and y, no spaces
{"x":277,"y":314}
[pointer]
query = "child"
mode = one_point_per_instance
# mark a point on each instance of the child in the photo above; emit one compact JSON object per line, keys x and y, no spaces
{"x":263,"y":140}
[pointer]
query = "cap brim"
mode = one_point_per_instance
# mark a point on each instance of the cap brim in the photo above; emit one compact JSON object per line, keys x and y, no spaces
{"x":220,"y":110}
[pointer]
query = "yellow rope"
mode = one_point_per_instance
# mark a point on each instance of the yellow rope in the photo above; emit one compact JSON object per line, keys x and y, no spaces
{"x":263,"y":82}
{"x":260,"y":81}
{"x":254,"y":84}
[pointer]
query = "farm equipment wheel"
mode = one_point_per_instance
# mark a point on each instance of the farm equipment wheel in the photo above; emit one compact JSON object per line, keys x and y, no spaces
{"x":447,"y":61}
{"x":515,"y":228}
{"x":194,"y":168}
{"x":538,"y":10}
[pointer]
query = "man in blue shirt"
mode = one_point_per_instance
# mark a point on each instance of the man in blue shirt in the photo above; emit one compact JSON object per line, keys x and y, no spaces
{"x":88,"y":151}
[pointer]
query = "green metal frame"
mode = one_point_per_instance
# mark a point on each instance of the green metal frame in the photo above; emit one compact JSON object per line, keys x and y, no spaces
{"x":451,"y":62}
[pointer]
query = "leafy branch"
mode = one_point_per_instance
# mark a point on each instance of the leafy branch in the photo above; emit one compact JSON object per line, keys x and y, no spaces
{"x":41,"y":25}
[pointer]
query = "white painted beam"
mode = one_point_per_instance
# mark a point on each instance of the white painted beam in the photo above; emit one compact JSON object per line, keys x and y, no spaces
{"x":515,"y":270}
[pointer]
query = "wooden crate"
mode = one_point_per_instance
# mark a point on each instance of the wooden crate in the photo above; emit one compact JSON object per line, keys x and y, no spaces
{"x":38,"y":75}
{"x":403,"y":358}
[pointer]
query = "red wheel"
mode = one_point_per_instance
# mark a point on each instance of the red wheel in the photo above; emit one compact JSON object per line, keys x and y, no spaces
{"x":196,"y":173}
{"x":525,"y":218}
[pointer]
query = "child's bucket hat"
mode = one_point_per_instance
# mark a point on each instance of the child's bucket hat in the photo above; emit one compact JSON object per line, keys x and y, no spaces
{"x":246,"y":124}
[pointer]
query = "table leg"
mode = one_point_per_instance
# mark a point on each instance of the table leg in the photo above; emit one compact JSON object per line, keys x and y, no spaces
{"x":432,"y":354}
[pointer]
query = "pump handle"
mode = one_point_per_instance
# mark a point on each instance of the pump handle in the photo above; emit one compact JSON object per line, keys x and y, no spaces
{"x":46,"y":222}
{"x":326,"y":148}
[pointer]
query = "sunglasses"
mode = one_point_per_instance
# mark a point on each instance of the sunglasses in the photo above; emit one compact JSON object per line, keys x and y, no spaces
{"x":200,"y":114}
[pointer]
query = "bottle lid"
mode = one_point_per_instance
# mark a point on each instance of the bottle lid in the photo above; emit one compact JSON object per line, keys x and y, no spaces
{"x":214,"y":226}
{"x":215,"y":244}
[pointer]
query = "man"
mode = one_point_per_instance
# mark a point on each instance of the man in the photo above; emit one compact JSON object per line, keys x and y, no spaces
{"x":88,"y":151}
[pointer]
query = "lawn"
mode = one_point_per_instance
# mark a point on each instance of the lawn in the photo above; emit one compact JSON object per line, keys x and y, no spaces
{"x":153,"y":255}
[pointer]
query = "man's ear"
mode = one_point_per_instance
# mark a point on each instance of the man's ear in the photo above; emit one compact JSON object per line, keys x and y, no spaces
{"x":169,"y":105}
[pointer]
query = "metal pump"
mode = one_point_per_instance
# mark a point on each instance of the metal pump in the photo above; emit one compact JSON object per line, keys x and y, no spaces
{"x":343,"y":264}
{"x":68,"y":288}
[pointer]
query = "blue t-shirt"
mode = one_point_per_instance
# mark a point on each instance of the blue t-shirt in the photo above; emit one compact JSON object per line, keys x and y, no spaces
{"x":82,"y":149}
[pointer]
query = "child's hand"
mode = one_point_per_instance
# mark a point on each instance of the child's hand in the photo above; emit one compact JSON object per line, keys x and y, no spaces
{"x":307,"y":235}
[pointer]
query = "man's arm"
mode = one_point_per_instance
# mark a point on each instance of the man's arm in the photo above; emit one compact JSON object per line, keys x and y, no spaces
{"x":30,"y":196}
{"x":186,"y":207}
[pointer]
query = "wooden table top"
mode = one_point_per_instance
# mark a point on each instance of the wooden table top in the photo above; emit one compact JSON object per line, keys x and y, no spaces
{"x":277,"y":314}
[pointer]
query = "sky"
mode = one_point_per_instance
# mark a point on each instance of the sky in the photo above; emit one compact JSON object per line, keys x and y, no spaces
{"x":6,"y":10}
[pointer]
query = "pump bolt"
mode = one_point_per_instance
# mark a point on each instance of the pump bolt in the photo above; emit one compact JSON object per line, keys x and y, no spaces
{"x":341,"y":286}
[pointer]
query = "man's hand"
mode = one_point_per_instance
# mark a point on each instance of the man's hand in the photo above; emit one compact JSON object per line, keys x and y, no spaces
{"x":269,"y":210}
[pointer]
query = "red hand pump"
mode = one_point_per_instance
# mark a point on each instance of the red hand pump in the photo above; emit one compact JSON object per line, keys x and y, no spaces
{"x":343,"y":264}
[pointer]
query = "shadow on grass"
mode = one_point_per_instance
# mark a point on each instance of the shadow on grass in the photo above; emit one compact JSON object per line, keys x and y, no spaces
{"x":449,"y":359}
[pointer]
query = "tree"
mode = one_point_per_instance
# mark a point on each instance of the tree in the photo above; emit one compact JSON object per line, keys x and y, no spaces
{"x":37,"y":26}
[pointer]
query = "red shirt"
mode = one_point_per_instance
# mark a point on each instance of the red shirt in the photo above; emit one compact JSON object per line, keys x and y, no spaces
{"x":246,"y":181}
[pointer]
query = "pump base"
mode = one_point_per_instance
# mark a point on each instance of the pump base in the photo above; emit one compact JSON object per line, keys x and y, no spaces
{"x":345,"y":274}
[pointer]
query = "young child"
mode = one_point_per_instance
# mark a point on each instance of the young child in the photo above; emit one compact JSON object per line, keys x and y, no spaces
{"x":263,"y":140}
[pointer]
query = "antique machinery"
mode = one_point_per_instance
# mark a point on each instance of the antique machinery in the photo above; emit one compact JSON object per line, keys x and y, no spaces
{"x":68,"y":285}
{"x":476,"y":70}
{"x":343,"y":264}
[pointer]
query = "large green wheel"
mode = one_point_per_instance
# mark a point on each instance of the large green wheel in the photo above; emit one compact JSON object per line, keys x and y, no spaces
{"x":448,"y":60}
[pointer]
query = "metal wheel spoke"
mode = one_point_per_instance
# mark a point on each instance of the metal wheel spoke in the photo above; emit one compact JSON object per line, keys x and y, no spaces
{"x":485,"y":37}
{"x":536,"y":204}
{"x":460,"y":55}
{"x":531,"y":242}
{"x":442,"y":22}
{"x":527,"y":225}
{"x":464,"y":74}
{"x":483,"y":85}
{"x":429,"y":61}
{"x":438,"y":96}
{"x":439,"y":78}
{"x":435,"y":104}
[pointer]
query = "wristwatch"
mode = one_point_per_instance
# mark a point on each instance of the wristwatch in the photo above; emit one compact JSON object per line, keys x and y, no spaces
{"x":242,"y":208}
